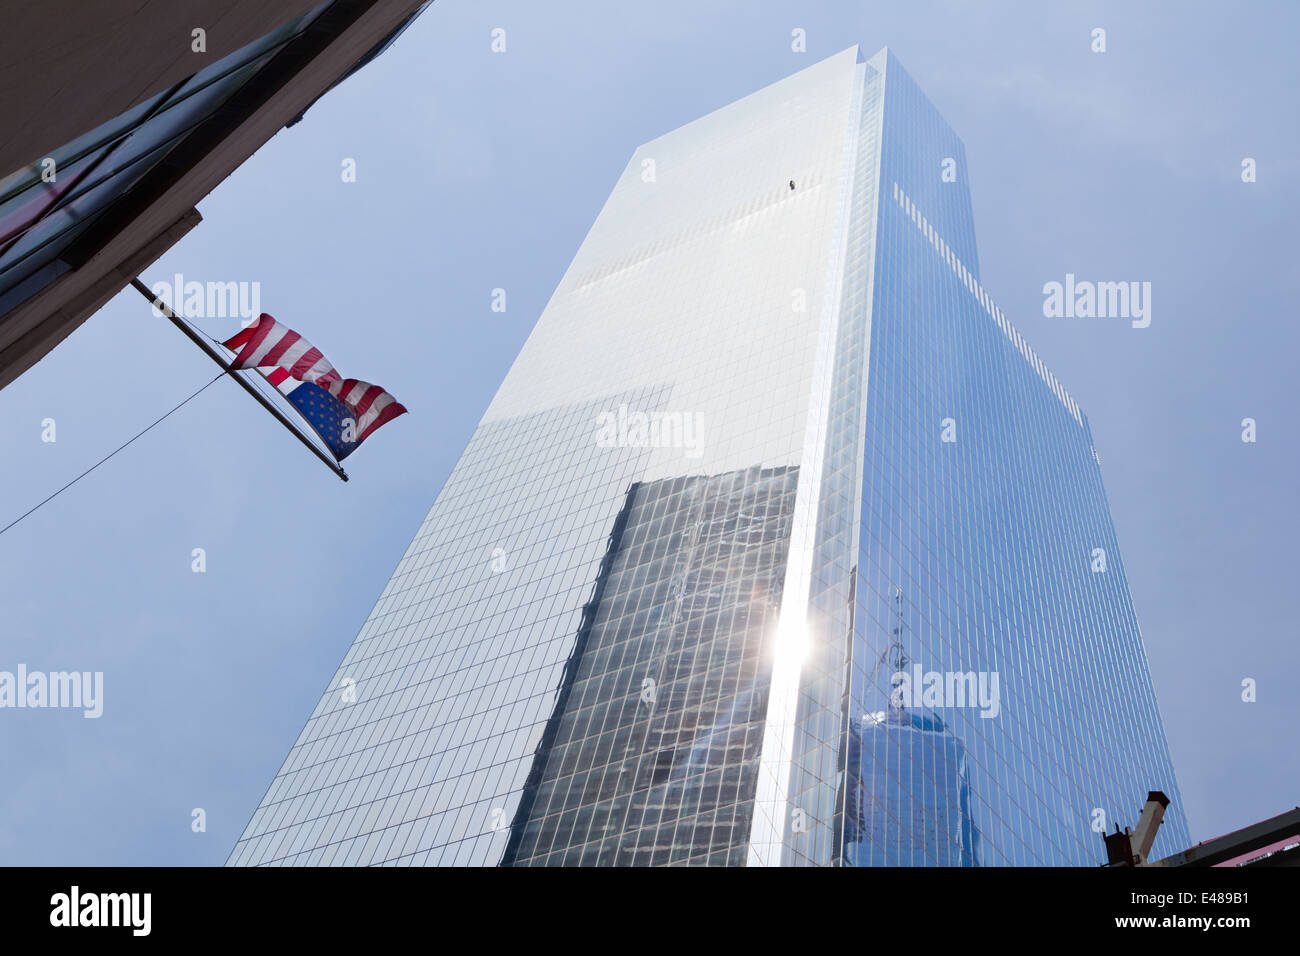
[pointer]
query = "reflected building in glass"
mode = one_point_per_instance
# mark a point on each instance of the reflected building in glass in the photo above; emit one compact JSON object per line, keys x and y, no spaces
{"x":770,"y":449}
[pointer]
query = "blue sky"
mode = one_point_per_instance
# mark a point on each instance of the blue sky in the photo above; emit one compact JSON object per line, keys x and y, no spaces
{"x":478,"y":171}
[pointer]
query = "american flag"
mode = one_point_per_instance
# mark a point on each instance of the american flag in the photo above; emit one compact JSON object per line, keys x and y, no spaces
{"x":344,"y":412}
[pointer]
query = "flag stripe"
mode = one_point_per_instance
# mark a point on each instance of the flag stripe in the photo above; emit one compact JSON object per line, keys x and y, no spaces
{"x":276,"y":354}
{"x":311,"y":366}
{"x":370,"y":397}
{"x":236,"y":341}
{"x":268,"y":343}
{"x":256,"y":345}
{"x":373,"y":410}
{"x":390,"y":411}
{"x":262,"y":345}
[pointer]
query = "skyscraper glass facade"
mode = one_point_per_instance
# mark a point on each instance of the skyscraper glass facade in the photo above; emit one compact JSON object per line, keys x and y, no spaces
{"x":770,"y":457}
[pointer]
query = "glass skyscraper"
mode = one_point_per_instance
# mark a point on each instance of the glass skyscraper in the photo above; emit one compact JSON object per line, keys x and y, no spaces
{"x":777,"y":545}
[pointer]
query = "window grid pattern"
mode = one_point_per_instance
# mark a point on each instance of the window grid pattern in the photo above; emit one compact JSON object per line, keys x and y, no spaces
{"x":811,"y":834}
{"x":491,"y":709}
{"x":656,"y":741}
{"x":681,"y":301}
{"x":976,"y":556}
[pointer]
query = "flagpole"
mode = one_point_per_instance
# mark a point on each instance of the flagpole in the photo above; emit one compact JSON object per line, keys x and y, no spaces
{"x":213,"y":354}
